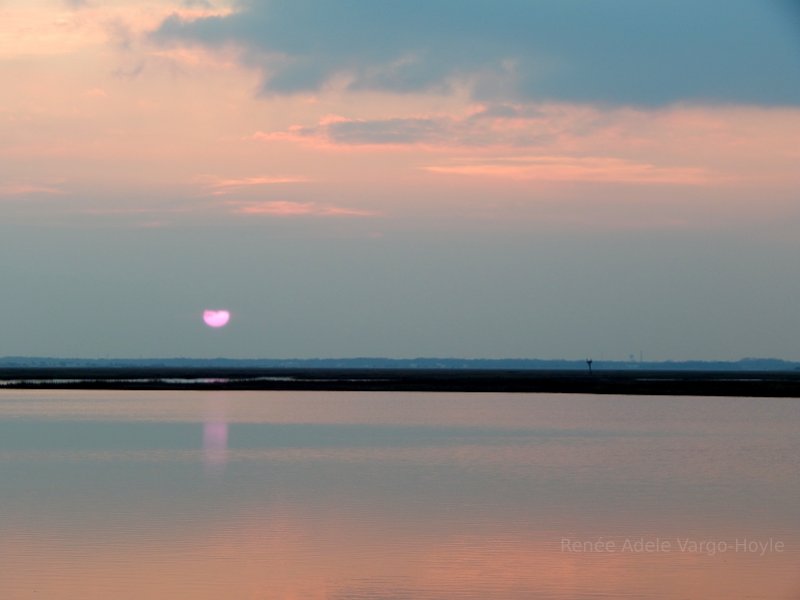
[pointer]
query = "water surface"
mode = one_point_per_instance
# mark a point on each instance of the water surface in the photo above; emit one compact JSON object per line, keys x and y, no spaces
{"x":313,"y":495}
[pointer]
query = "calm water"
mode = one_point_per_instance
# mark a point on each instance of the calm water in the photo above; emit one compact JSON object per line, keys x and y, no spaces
{"x":275,"y":495}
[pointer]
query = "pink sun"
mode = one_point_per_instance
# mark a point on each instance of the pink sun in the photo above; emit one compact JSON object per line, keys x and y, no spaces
{"x":216,"y":318}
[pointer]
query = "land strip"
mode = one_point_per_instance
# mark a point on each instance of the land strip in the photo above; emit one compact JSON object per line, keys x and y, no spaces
{"x":657,"y":382}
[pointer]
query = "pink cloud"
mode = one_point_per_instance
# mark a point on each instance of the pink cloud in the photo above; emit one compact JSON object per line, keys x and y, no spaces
{"x":226,"y":186}
{"x":686,"y":145}
{"x":475,"y":126}
{"x":285,"y":208}
{"x":95,"y":93}
{"x":53,"y":28}
{"x":590,"y":169}
{"x":294,"y":133}
{"x":27,"y":189}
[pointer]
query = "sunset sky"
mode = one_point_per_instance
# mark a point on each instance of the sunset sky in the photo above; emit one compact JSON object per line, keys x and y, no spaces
{"x":466,"y":178}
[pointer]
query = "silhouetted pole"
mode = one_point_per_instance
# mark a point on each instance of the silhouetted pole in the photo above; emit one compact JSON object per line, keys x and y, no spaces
{"x":589,"y":364}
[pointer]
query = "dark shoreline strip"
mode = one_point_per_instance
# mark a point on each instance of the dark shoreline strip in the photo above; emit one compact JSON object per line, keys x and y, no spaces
{"x":694,"y":383}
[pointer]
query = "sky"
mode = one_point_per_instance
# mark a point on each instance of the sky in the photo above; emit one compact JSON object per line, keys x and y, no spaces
{"x":453,"y":178}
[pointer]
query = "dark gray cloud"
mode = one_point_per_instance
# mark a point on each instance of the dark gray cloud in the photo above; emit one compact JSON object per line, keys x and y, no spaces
{"x":615,"y":51}
{"x":489,"y":126}
{"x":385,"y":131}
{"x":197,"y":4}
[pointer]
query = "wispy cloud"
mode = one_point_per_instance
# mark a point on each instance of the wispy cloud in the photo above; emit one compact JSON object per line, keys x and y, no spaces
{"x":76,"y":4}
{"x":132,"y":210}
{"x":95,"y":92}
{"x":285,"y":208}
{"x":221,"y":187}
{"x":68,"y":26}
{"x":479,"y":125}
{"x":690,"y":145}
{"x":29,"y":189}
{"x":585,"y":169}
{"x":295,"y":133}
